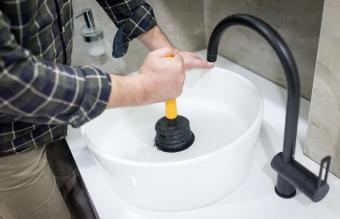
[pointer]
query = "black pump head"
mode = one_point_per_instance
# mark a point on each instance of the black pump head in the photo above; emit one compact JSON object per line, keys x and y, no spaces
{"x":173,"y":135}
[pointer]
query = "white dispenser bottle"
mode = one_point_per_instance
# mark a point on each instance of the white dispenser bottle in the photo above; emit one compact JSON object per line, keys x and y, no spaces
{"x":93,"y":37}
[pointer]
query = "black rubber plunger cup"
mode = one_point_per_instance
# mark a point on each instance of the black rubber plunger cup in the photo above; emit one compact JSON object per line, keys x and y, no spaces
{"x":173,"y":132}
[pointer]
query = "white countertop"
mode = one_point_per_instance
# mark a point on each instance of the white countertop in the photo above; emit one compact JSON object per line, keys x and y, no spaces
{"x":255,"y":198}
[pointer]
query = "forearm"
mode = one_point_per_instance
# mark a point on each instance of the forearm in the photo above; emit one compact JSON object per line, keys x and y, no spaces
{"x":126,"y":91}
{"x":155,"y":39}
{"x":158,"y":79}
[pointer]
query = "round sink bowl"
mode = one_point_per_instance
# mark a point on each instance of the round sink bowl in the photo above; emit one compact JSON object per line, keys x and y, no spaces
{"x":225,"y":113}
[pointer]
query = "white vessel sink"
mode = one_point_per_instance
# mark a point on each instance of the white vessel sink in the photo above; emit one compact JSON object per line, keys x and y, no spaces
{"x":225,"y":112}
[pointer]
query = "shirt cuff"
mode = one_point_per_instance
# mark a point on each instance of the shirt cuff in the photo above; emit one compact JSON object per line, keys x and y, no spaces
{"x":96,"y":94}
{"x":141,"y":21}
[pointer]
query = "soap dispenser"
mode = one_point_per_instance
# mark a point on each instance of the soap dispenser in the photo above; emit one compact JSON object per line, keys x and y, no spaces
{"x":93,"y":37}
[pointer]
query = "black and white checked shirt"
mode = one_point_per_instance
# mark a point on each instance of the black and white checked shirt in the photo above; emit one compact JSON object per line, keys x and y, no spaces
{"x":40,"y":93}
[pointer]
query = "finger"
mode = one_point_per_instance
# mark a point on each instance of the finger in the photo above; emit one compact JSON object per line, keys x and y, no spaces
{"x":179,"y":57}
{"x":164,"y":52}
{"x":192,"y":55}
{"x":198,"y":62}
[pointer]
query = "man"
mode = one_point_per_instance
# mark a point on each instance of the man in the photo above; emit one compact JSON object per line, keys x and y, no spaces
{"x":41,"y":93}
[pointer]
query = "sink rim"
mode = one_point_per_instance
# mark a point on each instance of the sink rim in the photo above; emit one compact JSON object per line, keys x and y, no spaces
{"x":127,"y":162}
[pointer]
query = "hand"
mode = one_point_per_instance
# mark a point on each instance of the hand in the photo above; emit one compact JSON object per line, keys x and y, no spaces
{"x":155,"y":39}
{"x":192,"y":61}
{"x":160,"y":78}
{"x":163,"y":76}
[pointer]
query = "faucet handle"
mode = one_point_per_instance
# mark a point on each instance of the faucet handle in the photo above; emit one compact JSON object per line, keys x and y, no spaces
{"x":324,"y":165}
{"x":298,"y":176}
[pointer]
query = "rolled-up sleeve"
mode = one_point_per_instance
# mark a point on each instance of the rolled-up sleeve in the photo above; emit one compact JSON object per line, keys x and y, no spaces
{"x":42,"y":92}
{"x":132,"y":17}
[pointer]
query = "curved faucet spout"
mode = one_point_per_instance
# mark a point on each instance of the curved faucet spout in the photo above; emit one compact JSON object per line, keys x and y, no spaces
{"x":287,"y":61}
{"x":291,"y":174}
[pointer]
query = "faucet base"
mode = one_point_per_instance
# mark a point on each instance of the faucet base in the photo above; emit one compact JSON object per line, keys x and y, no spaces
{"x":292,"y":175}
{"x":284,"y":189}
{"x":284,"y":195}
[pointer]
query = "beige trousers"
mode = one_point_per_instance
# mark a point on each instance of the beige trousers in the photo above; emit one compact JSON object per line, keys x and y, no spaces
{"x":28,"y":188}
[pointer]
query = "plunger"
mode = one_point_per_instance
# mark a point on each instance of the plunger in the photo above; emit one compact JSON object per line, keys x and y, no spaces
{"x":173,"y":132}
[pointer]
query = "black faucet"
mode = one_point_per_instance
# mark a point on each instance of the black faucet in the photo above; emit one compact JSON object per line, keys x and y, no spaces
{"x":291,"y":174}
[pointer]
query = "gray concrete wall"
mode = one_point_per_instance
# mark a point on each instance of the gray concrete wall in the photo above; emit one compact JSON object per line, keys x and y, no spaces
{"x":182,"y":21}
{"x":297,"y":21}
{"x":323,"y":135}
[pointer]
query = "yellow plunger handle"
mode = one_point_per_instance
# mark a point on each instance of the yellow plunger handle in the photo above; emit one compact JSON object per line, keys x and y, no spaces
{"x":171,"y":109}
{"x":170,"y":105}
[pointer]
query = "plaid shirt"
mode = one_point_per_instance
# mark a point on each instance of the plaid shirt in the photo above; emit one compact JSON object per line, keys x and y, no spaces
{"x":40,"y":93}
